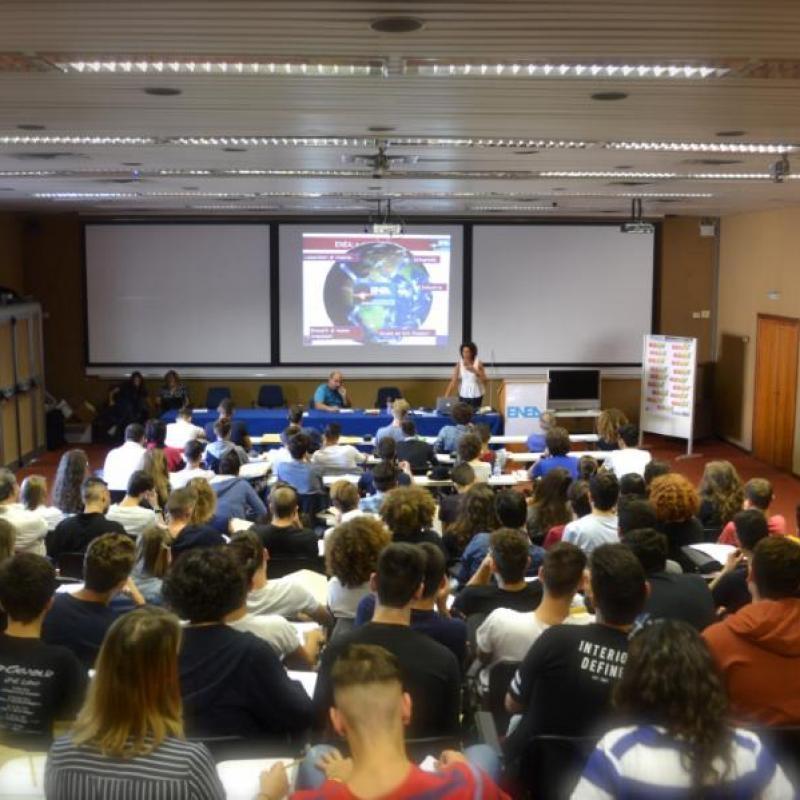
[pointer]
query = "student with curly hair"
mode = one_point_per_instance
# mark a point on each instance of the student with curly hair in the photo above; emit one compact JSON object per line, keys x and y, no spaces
{"x":721,"y":494}
{"x":351,"y":556}
{"x":408,"y":512}
{"x":680,"y":744}
{"x":72,"y":471}
{"x":469,"y":449}
{"x":676,"y":503}
{"x":477,"y":515}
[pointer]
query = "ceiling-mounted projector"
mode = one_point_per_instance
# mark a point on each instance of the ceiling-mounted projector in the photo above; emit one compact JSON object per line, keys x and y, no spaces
{"x":636,"y":226}
{"x":387,"y":229}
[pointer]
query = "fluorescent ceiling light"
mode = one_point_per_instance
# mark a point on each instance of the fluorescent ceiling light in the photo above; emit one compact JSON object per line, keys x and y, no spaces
{"x":702,"y":147}
{"x":76,"y":139}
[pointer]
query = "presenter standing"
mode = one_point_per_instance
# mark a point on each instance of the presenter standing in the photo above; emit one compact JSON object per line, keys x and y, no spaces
{"x":331,"y":396}
{"x":469,"y":375}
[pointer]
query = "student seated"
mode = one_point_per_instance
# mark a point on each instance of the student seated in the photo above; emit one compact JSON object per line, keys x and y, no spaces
{"x":608,"y":424}
{"x":386,"y":451}
{"x":30,"y":526}
{"x":631,"y":487}
{"x":155,"y":432}
{"x":372,"y":709}
{"x":549,"y":507}
{"x":306,"y":478}
{"x":184,"y":533}
{"x":416,"y":452}
{"x":40,"y":684}
{"x":676,"y":503}
{"x":721,"y":494}
{"x":538,"y":441}
{"x":730,"y":588}
{"x":193,"y":457}
{"x":222,"y":445}
{"x":670,"y":750}
{"x":129,"y":512}
{"x":385,"y":477}
{"x":72,"y":471}
{"x":400,"y":409}
{"x":447,"y":440}
{"x":285,"y":535}
{"x":236,"y":498}
{"x":129,"y":738}
{"x":123,"y":461}
{"x":558,"y":447}
{"x":182,"y":431}
{"x":477,"y":516}
{"x":429,"y":614}
{"x":33,"y":497}
{"x":463,"y":477}
{"x":506,"y":635}
{"x":280,"y":596}
{"x":238,"y":433}
{"x":407,"y":512}
{"x":655,"y":468}
{"x":153,"y":559}
{"x":757,"y":649}
{"x":277,"y":455}
{"x":599,"y":527}
{"x":80,"y":620}
{"x":432,"y":673}
{"x":232,"y":683}
{"x":335,"y":458}
{"x":672,"y":595}
{"x":469,"y":452}
{"x":564,"y":684}
{"x":757,"y":494}
{"x":500,"y":580}
{"x":295,"y":418}
{"x":628,"y":457}
{"x":579,"y":505}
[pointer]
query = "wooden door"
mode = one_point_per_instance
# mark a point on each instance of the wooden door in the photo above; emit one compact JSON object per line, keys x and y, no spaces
{"x":775,"y":389}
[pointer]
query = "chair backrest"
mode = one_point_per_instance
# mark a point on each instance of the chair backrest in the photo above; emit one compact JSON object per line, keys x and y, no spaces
{"x":70,"y":565}
{"x":385,"y":394}
{"x":215,"y":395}
{"x":270,"y":395}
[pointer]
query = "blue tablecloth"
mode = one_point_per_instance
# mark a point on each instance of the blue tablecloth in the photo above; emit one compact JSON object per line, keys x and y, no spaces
{"x":355,"y":423}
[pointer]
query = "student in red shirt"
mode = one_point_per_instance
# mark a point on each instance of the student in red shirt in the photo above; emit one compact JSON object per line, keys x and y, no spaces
{"x":372,"y":711}
{"x":757,"y":494}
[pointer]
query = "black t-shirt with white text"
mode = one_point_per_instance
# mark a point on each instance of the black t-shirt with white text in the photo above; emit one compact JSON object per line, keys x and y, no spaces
{"x":485,"y":599}
{"x":39,"y":684}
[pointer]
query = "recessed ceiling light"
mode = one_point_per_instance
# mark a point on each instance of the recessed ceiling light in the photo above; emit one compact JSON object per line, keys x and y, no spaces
{"x":381,"y":128}
{"x":162,"y":91}
{"x":30,"y":126}
{"x":396,"y":24}
{"x":609,"y":96}
{"x":731,"y":133}
{"x":234,"y":149}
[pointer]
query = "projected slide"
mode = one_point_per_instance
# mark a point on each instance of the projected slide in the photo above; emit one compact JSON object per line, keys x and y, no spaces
{"x":370,"y":289}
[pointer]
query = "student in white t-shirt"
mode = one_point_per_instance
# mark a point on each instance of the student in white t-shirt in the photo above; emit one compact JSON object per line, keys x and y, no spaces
{"x":337,"y":457}
{"x":193,"y":456}
{"x":629,"y":458}
{"x":33,"y":497}
{"x":129,"y":512}
{"x":507,"y":635}
{"x":123,"y":461}
{"x":182,"y":430}
{"x":601,"y":526}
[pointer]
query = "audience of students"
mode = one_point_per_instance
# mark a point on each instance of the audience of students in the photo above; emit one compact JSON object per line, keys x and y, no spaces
{"x":628,"y":457}
{"x":135,"y":511}
{"x":75,"y":533}
{"x":222,"y":444}
{"x":600,"y":526}
{"x":79,"y":620}
{"x":129,"y":738}
{"x":179,"y":433}
{"x":344,"y":503}
{"x":40,"y":684}
{"x":30,"y":527}
{"x":721,"y":494}
{"x":432,"y":673}
{"x":306,"y":478}
{"x":677,"y":596}
{"x":184,"y":533}
{"x":757,"y":494}
{"x":676,"y":504}
{"x":238,"y":432}
{"x":384,"y":477}
{"x":335,"y":458}
{"x":155,"y":434}
{"x":681,"y":744}
{"x":477,"y":515}
{"x":757,"y":649}
{"x":386,"y":452}
{"x":123,"y":461}
{"x":556,"y":455}
{"x":232,"y":683}
{"x":408,"y":512}
{"x":579,"y":504}
{"x":448,"y":436}
{"x":415,"y":451}
{"x":284,"y":535}
{"x":400,"y":409}
{"x":236,"y":498}
{"x":33,"y":497}
{"x":72,"y":471}
{"x":193,"y":459}
{"x":295,"y":419}
{"x":463,"y":477}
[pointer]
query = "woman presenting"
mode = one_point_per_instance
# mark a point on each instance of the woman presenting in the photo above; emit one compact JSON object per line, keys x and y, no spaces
{"x":469,"y":375}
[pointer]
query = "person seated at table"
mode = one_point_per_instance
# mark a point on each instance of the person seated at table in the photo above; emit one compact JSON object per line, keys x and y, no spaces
{"x":628,"y":457}
{"x":284,"y":535}
{"x":222,"y":445}
{"x":277,"y":455}
{"x":538,"y":441}
{"x":400,"y":409}
{"x":173,"y":394}
{"x":193,"y":458}
{"x":419,"y":455}
{"x":236,"y":498}
{"x":183,"y":430}
{"x":129,"y":740}
{"x":463,"y":477}
{"x":135,"y":511}
{"x":128,"y":403}
{"x":447,"y":440}
{"x":295,"y":417}
{"x":386,"y":451}
{"x":372,"y":710}
{"x":408,"y":513}
{"x":331,"y":396}
{"x":239,"y":434}
{"x":558,"y":446}
{"x":306,"y":478}
{"x":384,"y":478}
{"x":336,"y":458}
{"x":469,"y":452}
{"x":608,"y":424}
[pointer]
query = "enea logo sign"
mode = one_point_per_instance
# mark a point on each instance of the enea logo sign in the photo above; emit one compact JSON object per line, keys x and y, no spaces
{"x":523,"y":412}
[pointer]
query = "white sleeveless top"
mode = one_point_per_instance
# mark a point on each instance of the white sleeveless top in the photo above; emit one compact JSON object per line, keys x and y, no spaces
{"x":470,"y":386}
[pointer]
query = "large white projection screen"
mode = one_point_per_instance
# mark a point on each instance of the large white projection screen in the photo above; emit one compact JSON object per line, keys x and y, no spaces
{"x":350,"y":297}
{"x":561,"y":294}
{"x":175,"y":294}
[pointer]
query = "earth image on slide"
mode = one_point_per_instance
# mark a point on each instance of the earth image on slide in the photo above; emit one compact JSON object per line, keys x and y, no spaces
{"x":377,"y":287}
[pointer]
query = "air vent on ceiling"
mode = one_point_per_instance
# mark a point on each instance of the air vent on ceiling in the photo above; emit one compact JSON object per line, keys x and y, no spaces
{"x":629,"y":183}
{"x":713,"y":162}
{"x":46,"y":156}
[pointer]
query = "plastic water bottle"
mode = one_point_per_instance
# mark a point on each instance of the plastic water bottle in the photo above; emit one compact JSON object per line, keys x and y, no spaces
{"x":500,"y":461}
{"x":389,"y":402}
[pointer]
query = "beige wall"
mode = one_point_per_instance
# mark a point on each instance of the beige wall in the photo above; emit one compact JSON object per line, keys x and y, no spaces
{"x":759,"y":253}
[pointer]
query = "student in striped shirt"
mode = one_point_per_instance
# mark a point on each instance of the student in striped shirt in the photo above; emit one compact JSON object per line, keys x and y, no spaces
{"x":682,"y":745}
{"x":128,"y":741}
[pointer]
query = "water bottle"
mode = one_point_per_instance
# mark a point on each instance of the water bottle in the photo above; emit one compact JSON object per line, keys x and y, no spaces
{"x":389,"y":402}
{"x":500,"y":461}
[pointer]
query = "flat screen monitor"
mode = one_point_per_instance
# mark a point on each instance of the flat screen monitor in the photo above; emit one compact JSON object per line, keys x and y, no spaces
{"x":574,"y":388}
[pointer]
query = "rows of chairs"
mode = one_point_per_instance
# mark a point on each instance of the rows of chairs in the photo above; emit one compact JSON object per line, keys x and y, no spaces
{"x":270,"y":395}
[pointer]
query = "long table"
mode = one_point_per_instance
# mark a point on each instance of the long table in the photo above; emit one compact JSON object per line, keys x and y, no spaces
{"x":354,"y":423}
